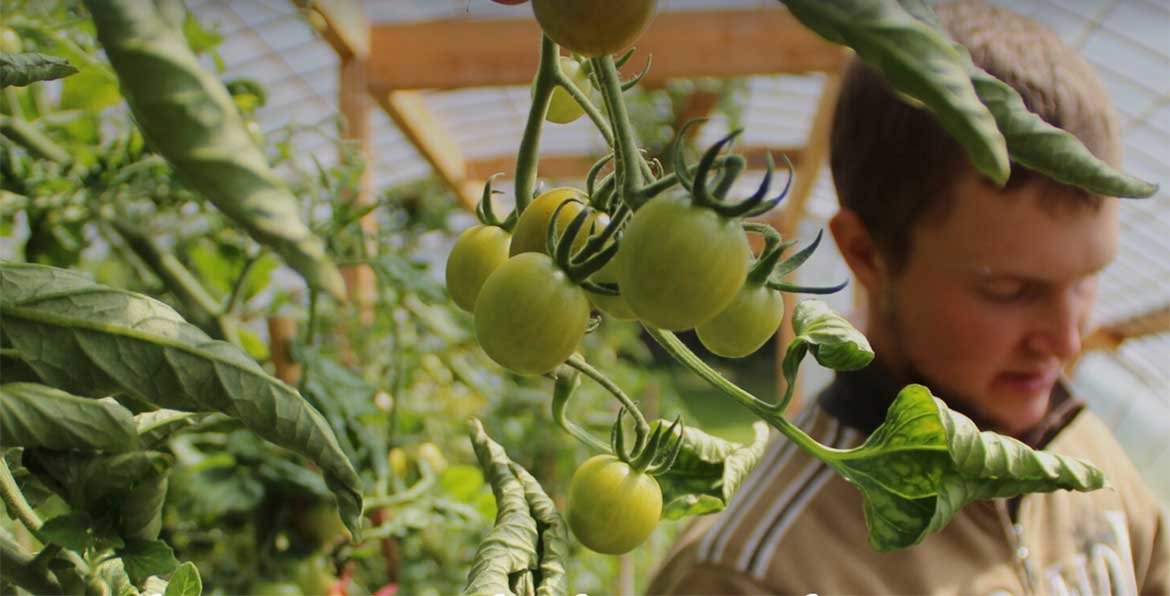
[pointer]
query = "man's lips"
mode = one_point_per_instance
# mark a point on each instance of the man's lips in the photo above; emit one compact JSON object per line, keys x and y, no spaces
{"x":1027,"y":382}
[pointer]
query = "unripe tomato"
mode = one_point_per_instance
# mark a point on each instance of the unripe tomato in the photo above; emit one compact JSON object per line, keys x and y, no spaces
{"x":321,"y":525}
{"x":529,"y":316}
{"x":681,"y":264}
{"x":562,"y":108}
{"x":396,"y":457}
{"x":594,"y":27}
{"x":275,"y":588}
{"x":478,"y":251}
{"x":750,"y":320}
{"x":531,"y":231}
{"x":429,"y":453}
{"x":10,"y":41}
{"x":315,"y":575}
{"x":612,"y":508}
{"x":614,"y":306}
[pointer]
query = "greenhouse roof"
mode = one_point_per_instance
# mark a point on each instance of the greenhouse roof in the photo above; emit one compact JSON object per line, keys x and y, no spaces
{"x":1127,"y":41}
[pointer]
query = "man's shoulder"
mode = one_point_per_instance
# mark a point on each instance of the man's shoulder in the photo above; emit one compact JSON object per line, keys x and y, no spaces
{"x":786,"y":486}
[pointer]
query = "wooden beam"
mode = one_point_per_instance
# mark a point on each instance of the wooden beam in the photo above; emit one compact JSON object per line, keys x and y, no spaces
{"x":422,"y":128}
{"x":477,"y":53}
{"x":788,"y":220}
{"x":342,"y":23}
{"x":355,"y":106}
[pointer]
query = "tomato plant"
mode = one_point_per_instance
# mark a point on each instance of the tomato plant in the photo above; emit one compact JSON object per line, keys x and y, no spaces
{"x":529,"y":316}
{"x":562,"y":108}
{"x":614,"y":306}
{"x":478,"y":251}
{"x":611,"y":507}
{"x":594,"y":27}
{"x":749,"y":320}
{"x":531,"y":231}
{"x":681,"y":264}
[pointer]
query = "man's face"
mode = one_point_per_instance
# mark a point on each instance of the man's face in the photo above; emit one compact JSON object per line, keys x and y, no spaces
{"x":994,"y":297}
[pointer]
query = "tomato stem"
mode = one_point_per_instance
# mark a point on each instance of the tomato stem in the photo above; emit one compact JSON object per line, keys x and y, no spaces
{"x":770,"y":413}
{"x":577,"y":362}
{"x":528,"y":156}
{"x":628,"y":164}
{"x":567,"y":381}
{"x":587,"y":105}
{"x":14,"y":500}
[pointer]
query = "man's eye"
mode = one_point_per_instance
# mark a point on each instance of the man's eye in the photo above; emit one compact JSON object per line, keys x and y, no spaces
{"x":1005,"y":291}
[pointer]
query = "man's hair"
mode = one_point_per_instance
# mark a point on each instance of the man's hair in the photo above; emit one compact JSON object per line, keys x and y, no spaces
{"x":894,"y":165}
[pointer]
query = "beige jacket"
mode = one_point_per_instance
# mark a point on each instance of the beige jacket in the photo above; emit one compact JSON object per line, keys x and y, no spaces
{"x":796,"y":527}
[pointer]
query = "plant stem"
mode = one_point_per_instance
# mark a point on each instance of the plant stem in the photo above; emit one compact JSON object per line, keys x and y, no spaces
{"x":586,"y":104}
{"x":237,"y":292}
{"x":628,"y":163}
{"x":528,"y":156}
{"x":24,"y":570}
{"x":11,"y":353}
{"x":760,"y":408}
{"x":14,"y":500}
{"x":566,"y":383}
{"x":579,"y":363}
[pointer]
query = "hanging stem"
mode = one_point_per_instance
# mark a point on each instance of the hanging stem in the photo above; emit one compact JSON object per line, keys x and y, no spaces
{"x":528,"y":156}
{"x":641,"y":426}
{"x":628,"y":164}
{"x":14,"y":500}
{"x":764,"y":410}
{"x":567,"y":381}
{"x":587,"y":104}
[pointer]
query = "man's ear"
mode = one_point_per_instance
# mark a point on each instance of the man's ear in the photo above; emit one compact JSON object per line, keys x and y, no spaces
{"x":857,"y":247}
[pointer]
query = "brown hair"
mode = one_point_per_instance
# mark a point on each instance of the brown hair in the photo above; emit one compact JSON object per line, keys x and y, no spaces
{"x":893,"y":164}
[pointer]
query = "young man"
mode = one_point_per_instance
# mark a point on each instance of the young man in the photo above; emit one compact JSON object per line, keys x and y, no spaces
{"x":981,"y":294}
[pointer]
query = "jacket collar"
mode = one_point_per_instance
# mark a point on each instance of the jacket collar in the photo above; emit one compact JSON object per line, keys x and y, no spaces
{"x":860,"y":399}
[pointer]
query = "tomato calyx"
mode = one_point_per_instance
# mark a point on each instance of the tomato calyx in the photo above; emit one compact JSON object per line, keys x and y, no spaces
{"x":654,"y":454}
{"x":770,"y":272}
{"x":484,"y":212}
{"x":597,"y":251}
{"x":715,"y":198}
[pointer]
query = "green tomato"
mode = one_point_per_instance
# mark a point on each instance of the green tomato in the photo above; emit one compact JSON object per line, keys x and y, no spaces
{"x":681,"y":264}
{"x":10,"y":41}
{"x":614,"y":306}
{"x":594,"y":27}
{"x":531,"y":231}
{"x":750,"y":320}
{"x":315,"y":575}
{"x":612,"y":508}
{"x":529,"y":316}
{"x":478,"y":251}
{"x":321,"y":525}
{"x":562,"y":108}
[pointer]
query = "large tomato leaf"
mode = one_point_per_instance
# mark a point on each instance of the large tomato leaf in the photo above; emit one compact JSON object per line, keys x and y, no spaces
{"x":144,"y":558}
{"x":94,"y":340}
{"x":18,"y":70}
{"x":833,"y":341}
{"x":926,"y":462}
{"x":919,"y":63}
{"x":190,"y":119}
{"x":1032,"y":142}
{"x":157,"y":426}
{"x":33,"y":415}
{"x":526,"y":550}
{"x":551,"y":579}
{"x":97,"y":482}
{"x":708,"y":471}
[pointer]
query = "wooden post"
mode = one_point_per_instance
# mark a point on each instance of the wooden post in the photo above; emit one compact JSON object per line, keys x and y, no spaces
{"x":355,"y":104}
{"x":282,"y":332}
{"x":812,"y":158}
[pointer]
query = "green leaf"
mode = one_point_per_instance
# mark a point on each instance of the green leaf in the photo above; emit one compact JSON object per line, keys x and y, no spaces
{"x":19,"y":70}
{"x":144,"y":558}
{"x":157,"y":426}
{"x":92,"y":339}
{"x":708,"y":471}
{"x":199,"y":38}
{"x":141,"y":509}
{"x":511,"y":546}
{"x":926,"y":462}
{"x":96,"y":483}
{"x":113,"y":573}
{"x":834,"y":342}
{"x":400,"y":272}
{"x":78,"y":531}
{"x":462,"y":482}
{"x":185,"y":581}
{"x":1032,"y":142}
{"x":919,"y":63}
{"x":552,"y":579}
{"x":189,"y":118}
{"x":33,"y":415}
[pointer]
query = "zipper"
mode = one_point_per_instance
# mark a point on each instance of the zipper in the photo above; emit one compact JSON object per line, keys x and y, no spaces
{"x":1021,"y":554}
